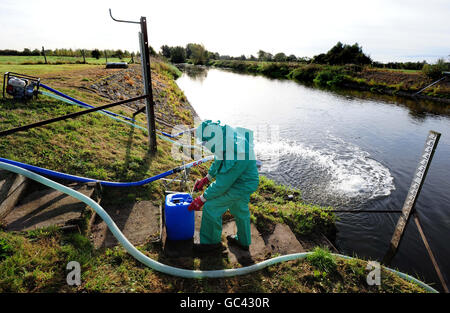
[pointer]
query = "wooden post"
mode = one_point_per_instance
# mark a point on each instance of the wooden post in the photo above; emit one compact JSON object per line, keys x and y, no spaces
{"x":414,"y":190}
{"x":106,"y":56}
{"x":84,"y":57}
{"x":430,"y":253}
{"x":43,"y":53}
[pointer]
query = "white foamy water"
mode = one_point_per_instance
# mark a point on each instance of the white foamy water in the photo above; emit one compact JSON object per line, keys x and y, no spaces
{"x":346,"y":169}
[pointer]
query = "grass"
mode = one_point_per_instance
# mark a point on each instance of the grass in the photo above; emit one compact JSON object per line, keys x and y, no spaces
{"x":274,"y":203}
{"x":54,"y":60}
{"x":38,"y":265}
{"x":98,"y":147}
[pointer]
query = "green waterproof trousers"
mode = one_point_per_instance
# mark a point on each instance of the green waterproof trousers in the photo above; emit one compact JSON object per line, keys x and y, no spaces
{"x":211,"y":228}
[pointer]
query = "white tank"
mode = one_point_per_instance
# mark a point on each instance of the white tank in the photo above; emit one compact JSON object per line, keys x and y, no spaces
{"x":17,"y":82}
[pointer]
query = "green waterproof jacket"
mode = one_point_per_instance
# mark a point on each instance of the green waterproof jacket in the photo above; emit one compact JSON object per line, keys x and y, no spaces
{"x":234,"y":167}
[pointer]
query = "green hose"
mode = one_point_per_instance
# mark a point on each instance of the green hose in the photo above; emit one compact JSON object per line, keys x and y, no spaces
{"x":170,"y":269}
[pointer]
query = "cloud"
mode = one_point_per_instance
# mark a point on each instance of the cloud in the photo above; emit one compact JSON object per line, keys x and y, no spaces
{"x":385,"y":29}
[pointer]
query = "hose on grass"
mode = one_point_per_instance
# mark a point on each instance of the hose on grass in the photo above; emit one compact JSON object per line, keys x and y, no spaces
{"x":170,"y":270}
{"x":80,"y":179}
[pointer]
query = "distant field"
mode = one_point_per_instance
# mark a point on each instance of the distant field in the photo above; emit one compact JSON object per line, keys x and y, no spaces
{"x":39,"y":69}
{"x":399,"y":70}
{"x":6,"y":59}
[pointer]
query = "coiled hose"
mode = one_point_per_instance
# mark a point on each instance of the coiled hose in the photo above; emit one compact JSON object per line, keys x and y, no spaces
{"x":170,"y":270}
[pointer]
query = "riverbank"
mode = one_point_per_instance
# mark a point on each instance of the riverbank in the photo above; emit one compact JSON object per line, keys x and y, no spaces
{"x":379,"y":81}
{"x":34,"y":261}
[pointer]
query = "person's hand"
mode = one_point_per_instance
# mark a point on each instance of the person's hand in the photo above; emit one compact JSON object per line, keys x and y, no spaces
{"x":200,"y":183}
{"x":197,"y":204}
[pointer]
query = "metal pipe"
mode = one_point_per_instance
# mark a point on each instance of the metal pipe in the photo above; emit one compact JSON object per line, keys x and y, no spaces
{"x":122,"y":21}
{"x":432,"y":84}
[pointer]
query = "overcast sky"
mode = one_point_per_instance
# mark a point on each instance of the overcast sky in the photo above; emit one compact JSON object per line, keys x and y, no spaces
{"x":402,"y":30}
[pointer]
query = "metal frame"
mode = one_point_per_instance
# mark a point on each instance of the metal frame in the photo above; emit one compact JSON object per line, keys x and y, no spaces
{"x":18,"y":75}
{"x":64,"y":117}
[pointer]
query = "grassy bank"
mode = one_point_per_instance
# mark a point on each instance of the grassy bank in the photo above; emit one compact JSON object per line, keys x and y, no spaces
{"x":383,"y":81}
{"x":98,"y":147}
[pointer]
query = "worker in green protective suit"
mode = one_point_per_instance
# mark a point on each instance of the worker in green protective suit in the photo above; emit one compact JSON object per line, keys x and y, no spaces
{"x":236,"y":178}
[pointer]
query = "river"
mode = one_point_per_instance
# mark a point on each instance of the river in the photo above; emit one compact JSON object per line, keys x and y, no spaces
{"x":349,"y":150}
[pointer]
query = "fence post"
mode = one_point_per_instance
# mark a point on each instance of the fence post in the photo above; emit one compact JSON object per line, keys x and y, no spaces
{"x":43,"y":53}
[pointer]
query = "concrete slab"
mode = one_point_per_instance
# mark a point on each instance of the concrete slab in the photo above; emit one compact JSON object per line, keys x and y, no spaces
{"x":12,"y":187}
{"x":46,"y":208}
{"x":283,"y":241}
{"x":139,"y":222}
{"x":257,"y":252}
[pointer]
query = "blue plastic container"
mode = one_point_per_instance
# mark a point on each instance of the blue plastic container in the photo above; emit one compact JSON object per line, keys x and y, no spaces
{"x":180,"y":222}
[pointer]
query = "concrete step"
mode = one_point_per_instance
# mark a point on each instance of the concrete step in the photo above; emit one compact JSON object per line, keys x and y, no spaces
{"x":138,"y":221}
{"x":258,"y":250}
{"x":282,"y":241}
{"x":12,"y":187}
{"x":47,"y":207}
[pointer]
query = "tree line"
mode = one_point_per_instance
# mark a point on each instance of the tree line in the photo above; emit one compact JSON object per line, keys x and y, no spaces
{"x":337,"y":55}
{"x":94,"y":53}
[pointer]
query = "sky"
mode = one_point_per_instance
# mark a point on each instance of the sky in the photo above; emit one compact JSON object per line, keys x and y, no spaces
{"x":396,"y":30}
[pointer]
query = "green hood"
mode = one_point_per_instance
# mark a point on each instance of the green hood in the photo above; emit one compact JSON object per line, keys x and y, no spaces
{"x":228,"y":143}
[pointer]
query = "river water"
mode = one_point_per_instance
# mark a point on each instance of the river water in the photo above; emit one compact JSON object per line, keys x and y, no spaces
{"x":346,"y":149}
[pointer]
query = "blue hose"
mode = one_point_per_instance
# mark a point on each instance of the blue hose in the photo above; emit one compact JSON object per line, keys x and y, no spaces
{"x":85,"y":105}
{"x":75,"y":178}
{"x":138,"y":255}
{"x":129,"y":123}
{"x":80,"y":102}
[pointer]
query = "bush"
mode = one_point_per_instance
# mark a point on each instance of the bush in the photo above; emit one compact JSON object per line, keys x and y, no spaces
{"x":329,"y":78}
{"x":322,"y":259}
{"x":275,"y":70}
{"x":305,"y":73}
{"x":435,"y":71}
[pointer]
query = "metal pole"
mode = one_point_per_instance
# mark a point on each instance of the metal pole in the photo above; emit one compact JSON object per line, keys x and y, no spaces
{"x":430,"y":253}
{"x":145,"y":56}
{"x":148,"y":87}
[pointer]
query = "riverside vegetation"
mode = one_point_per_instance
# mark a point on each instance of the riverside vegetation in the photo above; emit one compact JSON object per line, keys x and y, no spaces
{"x":95,"y":146}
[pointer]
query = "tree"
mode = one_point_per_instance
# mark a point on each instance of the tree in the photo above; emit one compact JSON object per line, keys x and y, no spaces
{"x":198,"y":53}
{"x":95,"y":54}
{"x":291,"y":58}
{"x":343,"y":54}
{"x":261,"y":55}
{"x":151,"y":50}
{"x":177,"y":54}
{"x":280,"y":57}
{"x":264,"y":56}
{"x":165,"y":51}
{"x":119,"y":54}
